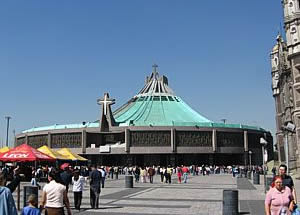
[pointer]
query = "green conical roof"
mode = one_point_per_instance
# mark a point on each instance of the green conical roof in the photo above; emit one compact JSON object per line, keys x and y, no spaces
{"x":157,"y":105}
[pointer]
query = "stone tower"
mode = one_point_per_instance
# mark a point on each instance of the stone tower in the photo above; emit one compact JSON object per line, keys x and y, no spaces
{"x":285,"y":61}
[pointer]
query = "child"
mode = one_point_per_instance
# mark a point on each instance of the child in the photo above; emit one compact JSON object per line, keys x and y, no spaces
{"x":31,"y":209}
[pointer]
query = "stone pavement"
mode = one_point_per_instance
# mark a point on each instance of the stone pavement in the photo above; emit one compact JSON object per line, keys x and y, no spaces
{"x":202,"y":195}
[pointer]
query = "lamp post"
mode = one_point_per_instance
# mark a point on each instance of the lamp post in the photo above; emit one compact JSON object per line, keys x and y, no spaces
{"x":290,"y":127}
{"x":263,"y":144}
{"x":250,"y":153}
{"x":7,"y":128}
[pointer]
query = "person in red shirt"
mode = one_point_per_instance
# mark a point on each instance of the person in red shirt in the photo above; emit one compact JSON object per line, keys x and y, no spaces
{"x":179,"y":174}
{"x":185,"y":171}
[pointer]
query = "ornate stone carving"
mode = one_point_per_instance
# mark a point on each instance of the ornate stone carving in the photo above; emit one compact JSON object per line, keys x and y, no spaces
{"x":150,"y":138}
{"x":37,"y":141}
{"x":194,"y":138}
{"x":20,"y":141}
{"x":275,"y":83}
{"x":68,"y":140}
{"x":226,"y":139}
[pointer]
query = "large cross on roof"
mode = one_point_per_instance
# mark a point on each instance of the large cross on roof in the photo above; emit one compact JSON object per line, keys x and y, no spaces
{"x":105,"y":101}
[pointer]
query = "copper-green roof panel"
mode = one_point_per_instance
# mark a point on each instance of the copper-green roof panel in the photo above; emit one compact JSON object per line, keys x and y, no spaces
{"x":156,"y":104}
{"x":159,"y":111}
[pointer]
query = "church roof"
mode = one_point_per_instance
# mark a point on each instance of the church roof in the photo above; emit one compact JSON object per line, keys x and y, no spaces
{"x":156,"y":104}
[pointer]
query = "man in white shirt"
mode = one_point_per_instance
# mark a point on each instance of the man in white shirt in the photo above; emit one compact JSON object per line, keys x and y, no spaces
{"x":78,"y":183}
{"x":103,"y":175}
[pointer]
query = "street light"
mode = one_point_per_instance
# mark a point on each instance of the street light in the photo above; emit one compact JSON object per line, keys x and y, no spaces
{"x":290,"y":127}
{"x":7,"y":128}
{"x":263,"y":144}
{"x":250,"y":153}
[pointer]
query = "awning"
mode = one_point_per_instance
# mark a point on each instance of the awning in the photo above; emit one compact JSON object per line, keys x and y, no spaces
{"x":4,"y":149}
{"x":48,"y":151}
{"x":23,"y":153}
{"x":70,"y":155}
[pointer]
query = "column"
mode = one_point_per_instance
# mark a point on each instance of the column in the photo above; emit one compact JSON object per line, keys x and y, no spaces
{"x":173,"y":140}
{"x":246,"y":148}
{"x":26,"y":139}
{"x":83,"y":141}
{"x":214,"y":140}
{"x":127,"y":140}
{"x":49,"y":140}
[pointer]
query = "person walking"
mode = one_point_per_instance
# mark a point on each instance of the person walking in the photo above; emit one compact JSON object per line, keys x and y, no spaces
{"x":185,"y":172}
{"x":287,"y":181}
{"x":279,"y":199}
{"x":116,"y":171}
{"x":137,"y":173}
{"x":151,"y":172}
{"x":143,"y":174}
{"x":162,"y":174}
{"x":66,"y":178}
{"x":7,"y":203}
{"x":31,"y":209}
{"x":54,"y":195}
{"x":111,"y":172}
{"x":95,"y":188}
{"x":179,"y":174}
{"x":169,"y":174}
{"x":103,"y":175}
{"x":78,"y":183}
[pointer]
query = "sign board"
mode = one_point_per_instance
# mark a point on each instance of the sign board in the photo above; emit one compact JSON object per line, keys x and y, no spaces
{"x":104,"y":149}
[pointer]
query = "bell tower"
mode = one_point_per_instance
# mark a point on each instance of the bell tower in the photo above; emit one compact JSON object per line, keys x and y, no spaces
{"x":285,"y":61}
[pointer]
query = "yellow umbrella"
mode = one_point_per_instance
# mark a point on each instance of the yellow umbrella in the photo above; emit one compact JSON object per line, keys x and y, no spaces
{"x":4,"y":149}
{"x":72,"y":156}
{"x":46,"y":150}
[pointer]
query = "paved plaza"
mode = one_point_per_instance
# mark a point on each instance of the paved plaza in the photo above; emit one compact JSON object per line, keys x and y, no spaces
{"x":202,"y":195}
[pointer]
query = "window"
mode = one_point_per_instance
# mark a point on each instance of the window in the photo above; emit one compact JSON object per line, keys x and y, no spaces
{"x":141,"y":98}
{"x":164,"y":98}
{"x":156,"y":98}
{"x":170,"y":98}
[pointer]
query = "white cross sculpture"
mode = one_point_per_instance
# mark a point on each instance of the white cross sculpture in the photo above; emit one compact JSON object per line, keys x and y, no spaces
{"x":105,"y":102}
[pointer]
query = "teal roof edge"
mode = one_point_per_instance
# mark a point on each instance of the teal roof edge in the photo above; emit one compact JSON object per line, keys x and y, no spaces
{"x":96,"y":124}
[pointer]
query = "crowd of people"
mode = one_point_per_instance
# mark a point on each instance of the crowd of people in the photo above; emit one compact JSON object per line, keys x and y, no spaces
{"x":281,"y":198}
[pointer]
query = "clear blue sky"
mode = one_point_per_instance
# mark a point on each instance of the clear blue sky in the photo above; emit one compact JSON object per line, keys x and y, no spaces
{"x":57,"y":57}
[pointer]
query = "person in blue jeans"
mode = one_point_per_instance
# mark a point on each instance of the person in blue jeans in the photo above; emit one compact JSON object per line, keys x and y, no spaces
{"x":31,"y":209}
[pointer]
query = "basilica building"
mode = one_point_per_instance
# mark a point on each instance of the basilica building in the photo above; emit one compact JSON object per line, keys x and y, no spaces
{"x":155,"y":127}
